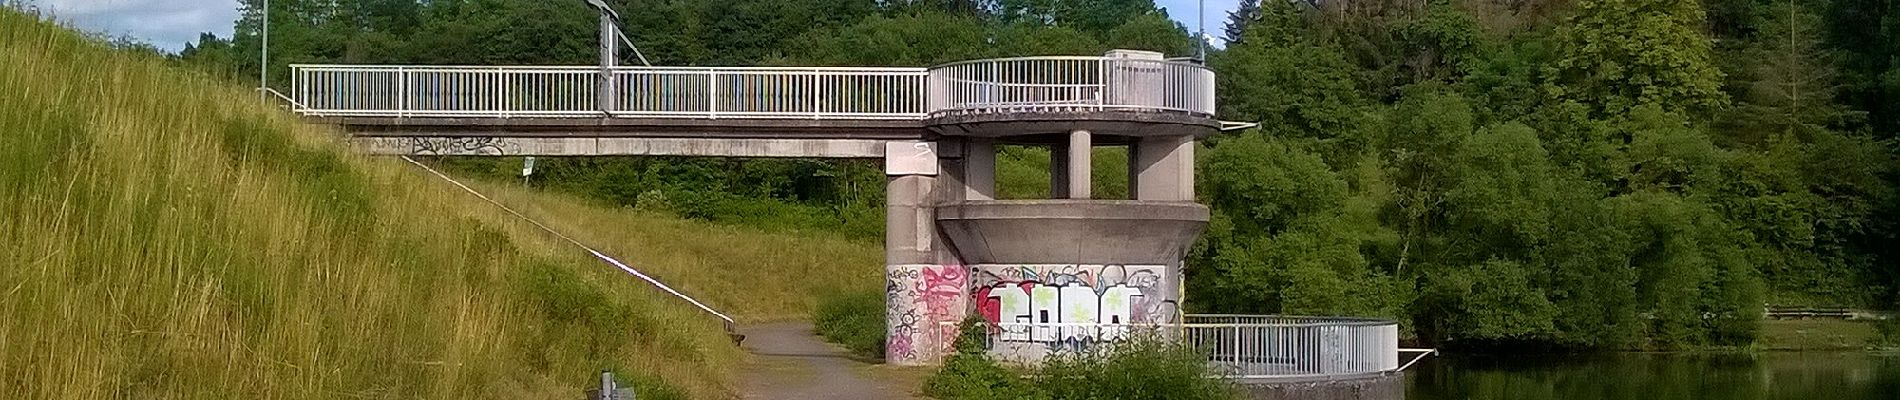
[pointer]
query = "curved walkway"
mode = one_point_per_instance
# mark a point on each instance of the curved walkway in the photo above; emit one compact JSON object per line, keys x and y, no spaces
{"x":790,"y":362}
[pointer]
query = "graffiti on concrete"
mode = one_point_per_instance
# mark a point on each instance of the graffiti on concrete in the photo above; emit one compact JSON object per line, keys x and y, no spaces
{"x":924,"y":303}
{"x":440,"y":146}
{"x":1070,"y":305}
{"x":446,"y":146}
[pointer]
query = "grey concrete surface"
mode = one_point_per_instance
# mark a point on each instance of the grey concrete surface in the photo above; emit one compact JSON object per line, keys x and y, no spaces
{"x":616,"y":146}
{"x":1080,"y":163}
{"x":789,"y":362}
{"x":1053,"y":127}
{"x":757,"y":128}
{"x":1072,"y":231}
{"x":1162,"y":169}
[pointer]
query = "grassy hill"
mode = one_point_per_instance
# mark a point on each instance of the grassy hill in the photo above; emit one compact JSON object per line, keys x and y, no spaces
{"x":167,"y":235}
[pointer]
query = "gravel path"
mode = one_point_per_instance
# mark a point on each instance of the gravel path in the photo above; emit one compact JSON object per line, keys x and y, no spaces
{"x":790,"y":362}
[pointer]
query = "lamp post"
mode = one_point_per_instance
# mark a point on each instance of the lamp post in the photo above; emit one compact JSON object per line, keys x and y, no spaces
{"x":609,"y":49}
{"x":263,"y":57}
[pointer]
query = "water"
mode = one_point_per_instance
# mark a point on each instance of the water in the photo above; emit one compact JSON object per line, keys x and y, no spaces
{"x":1803,"y":376}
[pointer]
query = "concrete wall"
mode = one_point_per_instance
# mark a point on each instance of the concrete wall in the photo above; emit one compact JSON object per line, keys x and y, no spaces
{"x":1108,"y":295}
{"x":610,"y":146}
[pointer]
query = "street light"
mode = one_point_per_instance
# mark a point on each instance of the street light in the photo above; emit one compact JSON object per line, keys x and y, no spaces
{"x":263,"y":58}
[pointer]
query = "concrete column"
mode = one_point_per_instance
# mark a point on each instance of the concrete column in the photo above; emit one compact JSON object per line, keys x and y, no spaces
{"x":909,"y":225}
{"x":1162,"y":169}
{"x":1059,"y":170}
{"x":979,"y":169}
{"x":926,"y":296}
{"x":1081,"y":146}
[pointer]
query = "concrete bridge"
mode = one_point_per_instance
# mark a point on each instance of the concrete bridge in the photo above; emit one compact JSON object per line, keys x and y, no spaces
{"x":1050,"y":274}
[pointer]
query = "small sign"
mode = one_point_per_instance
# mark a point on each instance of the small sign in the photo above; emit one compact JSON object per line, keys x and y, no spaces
{"x":527,"y":166}
{"x":910,"y":158}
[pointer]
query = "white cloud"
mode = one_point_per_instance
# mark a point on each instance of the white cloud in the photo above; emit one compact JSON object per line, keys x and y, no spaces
{"x":168,"y":24}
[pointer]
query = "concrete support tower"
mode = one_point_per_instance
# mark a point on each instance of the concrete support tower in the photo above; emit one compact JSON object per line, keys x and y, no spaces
{"x":1050,"y":274}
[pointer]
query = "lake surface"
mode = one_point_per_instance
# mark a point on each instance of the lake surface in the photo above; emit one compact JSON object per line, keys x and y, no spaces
{"x":1768,"y":375}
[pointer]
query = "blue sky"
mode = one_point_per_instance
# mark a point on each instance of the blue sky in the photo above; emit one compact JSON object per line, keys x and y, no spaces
{"x":170,"y":23}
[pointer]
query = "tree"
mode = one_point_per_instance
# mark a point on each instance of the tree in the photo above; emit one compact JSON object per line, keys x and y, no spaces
{"x":1618,"y":54}
{"x":1789,"y":83}
{"x":1244,"y":15}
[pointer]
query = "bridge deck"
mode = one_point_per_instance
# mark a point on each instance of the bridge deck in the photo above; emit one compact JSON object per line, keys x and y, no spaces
{"x":560,"y":108}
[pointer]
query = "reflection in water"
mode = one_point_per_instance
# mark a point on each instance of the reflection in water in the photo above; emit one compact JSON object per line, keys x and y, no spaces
{"x":1804,"y":376}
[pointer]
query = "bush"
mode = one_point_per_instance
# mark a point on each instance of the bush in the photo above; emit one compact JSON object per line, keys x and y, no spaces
{"x":970,"y":373}
{"x":854,"y":319}
{"x":1140,"y":368}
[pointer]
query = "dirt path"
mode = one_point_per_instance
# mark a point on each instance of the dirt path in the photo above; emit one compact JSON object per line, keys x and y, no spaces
{"x":790,"y":362}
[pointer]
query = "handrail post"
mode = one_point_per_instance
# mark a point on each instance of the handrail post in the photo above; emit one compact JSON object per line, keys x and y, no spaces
{"x":712,"y":93}
{"x":402,"y":94}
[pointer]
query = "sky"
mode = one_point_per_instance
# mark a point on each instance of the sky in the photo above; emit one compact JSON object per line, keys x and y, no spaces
{"x":169,"y":24}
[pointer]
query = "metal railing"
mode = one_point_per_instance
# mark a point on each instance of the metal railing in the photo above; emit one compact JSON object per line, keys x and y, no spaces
{"x":1267,"y":347}
{"x":1282,"y":347}
{"x":573,"y":91}
{"x":1064,"y":84}
{"x":1032,"y":84}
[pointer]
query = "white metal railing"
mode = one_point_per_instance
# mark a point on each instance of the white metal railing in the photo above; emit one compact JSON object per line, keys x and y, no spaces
{"x":1280,"y":347}
{"x":573,"y":91}
{"x":1237,"y":346}
{"x":1031,"y":84}
{"x":1061,"y":84}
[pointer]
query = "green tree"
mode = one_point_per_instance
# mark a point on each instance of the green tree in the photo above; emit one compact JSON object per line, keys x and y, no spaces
{"x":1618,"y":54}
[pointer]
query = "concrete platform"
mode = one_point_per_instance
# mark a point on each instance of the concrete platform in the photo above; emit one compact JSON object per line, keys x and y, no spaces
{"x":1072,"y":231}
{"x":1043,"y":127}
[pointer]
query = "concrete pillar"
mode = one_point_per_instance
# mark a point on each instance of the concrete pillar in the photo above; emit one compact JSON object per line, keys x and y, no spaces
{"x":1059,"y":170}
{"x":1162,"y":169}
{"x":1081,"y":147}
{"x":979,"y":169}
{"x":926,"y":296}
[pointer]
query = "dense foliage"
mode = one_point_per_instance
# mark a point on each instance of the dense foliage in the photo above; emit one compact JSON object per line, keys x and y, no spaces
{"x":1141,"y":368}
{"x":1588,"y":173}
{"x":853,"y":318}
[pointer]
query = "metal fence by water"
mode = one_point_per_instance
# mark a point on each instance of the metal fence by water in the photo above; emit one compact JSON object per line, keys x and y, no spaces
{"x":1237,"y":346}
{"x":1294,"y":347}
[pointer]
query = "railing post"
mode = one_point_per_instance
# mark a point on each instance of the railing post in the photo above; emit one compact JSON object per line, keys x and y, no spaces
{"x":402,"y":94}
{"x":712,"y":93}
{"x":501,"y":91}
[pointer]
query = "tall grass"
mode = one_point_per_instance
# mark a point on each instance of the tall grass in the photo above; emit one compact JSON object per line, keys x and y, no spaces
{"x":164,"y":235}
{"x":755,"y":276}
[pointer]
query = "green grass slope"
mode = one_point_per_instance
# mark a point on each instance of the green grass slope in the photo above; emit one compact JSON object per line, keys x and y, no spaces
{"x":166,"y":235}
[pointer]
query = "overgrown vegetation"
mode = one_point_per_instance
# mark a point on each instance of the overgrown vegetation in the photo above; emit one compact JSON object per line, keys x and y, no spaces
{"x":1140,"y":368}
{"x":166,"y":237}
{"x":1614,"y":174}
{"x":853,"y":318}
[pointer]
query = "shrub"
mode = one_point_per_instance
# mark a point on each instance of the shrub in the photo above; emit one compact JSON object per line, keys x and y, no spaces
{"x":854,"y":319}
{"x":1143,"y":367}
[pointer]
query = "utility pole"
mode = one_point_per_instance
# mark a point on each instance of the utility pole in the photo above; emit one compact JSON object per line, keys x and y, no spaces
{"x":263,"y":58}
{"x":1200,"y":40}
{"x":609,"y":51}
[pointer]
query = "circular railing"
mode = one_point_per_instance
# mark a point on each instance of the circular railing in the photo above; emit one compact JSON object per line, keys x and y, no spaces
{"x":1069,"y":84}
{"x":1295,"y":347}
